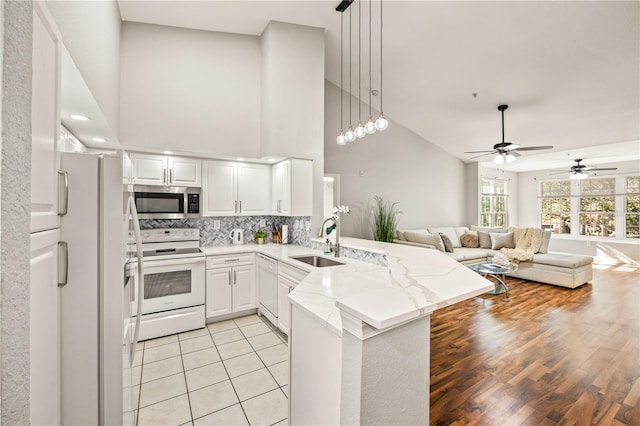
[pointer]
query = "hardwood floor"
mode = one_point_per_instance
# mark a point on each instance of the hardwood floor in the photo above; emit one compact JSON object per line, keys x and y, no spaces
{"x":545,"y":356}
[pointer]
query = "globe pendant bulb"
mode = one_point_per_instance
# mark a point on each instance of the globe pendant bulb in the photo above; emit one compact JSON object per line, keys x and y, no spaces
{"x":499,"y":159}
{"x":350,"y":136}
{"x":370,"y":127}
{"x":360,"y":133}
{"x":341,"y":139}
{"x":381,"y":123}
{"x":510,"y":158}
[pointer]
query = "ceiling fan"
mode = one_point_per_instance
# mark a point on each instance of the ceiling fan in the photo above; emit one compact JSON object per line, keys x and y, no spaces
{"x":578,"y":171}
{"x":506,"y":151}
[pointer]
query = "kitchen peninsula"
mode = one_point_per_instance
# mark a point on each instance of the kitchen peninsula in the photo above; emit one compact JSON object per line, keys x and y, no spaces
{"x":359,"y":336}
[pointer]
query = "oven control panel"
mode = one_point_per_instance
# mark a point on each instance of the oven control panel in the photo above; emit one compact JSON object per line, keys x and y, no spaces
{"x":169,"y":234}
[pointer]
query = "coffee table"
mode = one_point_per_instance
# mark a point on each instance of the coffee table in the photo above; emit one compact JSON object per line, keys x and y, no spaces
{"x":496,"y":271}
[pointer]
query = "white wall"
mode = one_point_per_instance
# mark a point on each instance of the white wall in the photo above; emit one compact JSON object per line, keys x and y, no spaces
{"x":605,"y":249}
{"x":428,"y":183}
{"x":15,"y":187}
{"x":196,"y":91}
{"x":293,"y":99}
{"x":473,"y":193}
{"x":91,"y":33}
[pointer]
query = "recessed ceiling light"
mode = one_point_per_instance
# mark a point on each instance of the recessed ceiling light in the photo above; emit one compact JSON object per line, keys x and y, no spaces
{"x":167,"y":152}
{"x":80,"y":117}
{"x":99,"y":139}
{"x":240,"y":158}
{"x":271,"y":159}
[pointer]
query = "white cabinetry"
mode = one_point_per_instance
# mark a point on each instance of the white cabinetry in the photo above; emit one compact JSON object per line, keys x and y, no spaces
{"x":149,"y":169}
{"x":268,"y":287}
{"x":232,"y":188}
{"x":45,"y":119}
{"x":230,"y":284}
{"x":44,"y":333}
{"x":292,"y":188}
{"x":288,"y":278}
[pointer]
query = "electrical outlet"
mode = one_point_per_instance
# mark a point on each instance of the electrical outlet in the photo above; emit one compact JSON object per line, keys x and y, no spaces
{"x":216,"y":224}
{"x":263,"y":223}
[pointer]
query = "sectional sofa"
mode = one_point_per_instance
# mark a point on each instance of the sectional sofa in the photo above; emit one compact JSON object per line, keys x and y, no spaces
{"x":561,"y":269}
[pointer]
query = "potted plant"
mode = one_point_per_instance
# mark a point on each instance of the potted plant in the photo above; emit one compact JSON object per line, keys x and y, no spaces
{"x":260,"y":236}
{"x":385,"y":219}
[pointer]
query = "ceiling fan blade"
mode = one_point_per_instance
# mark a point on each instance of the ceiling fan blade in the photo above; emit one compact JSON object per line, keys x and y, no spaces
{"x":482,"y":155}
{"x":511,"y":147}
{"x":534,"y":148}
{"x":476,"y":152}
{"x":601,"y":169}
{"x":561,"y":173}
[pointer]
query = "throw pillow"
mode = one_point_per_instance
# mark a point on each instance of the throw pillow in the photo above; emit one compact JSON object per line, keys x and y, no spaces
{"x":436,"y":241}
{"x":448,"y":244}
{"x":469,"y":239}
{"x":449,"y":231}
{"x":400,"y":236}
{"x":546,"y":237}
{"x":484,"y":240}
{"x":423,"y":237}
{"x":501,"y":240}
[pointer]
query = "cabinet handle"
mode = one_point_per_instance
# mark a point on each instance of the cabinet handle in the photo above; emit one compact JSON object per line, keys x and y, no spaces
{"x":170,"y":175}
{"x":65,"y":180}
{"x":164,"y":175}
{"x":229,"y":276}
{"x":63,"y":249}
{"x":235,"y":206}
{"x":232,"y":260}
{"x":234,"y":277}
{"x":240,"y":203}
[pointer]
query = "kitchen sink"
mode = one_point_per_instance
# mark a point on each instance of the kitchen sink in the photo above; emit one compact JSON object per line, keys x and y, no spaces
{"x":317,"y":261}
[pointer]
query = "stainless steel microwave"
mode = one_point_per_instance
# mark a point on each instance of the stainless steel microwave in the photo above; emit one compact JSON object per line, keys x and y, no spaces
{"x":167,"y":202}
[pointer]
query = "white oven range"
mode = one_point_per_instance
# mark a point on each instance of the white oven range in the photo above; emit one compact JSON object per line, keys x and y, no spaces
{"x":174,"y":282}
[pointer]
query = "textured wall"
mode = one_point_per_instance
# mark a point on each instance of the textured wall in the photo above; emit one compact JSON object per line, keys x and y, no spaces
{"x":15,"y":183}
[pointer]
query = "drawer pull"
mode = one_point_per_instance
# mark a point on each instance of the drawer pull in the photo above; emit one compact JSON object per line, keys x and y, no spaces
{"x":232,"y":260}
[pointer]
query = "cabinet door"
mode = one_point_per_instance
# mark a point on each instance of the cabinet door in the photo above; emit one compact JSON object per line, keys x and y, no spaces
{"x":149,"y":169}
{"x":185,"y":172}
{"x":281,"y":189}
{"x":44,"y":333}
{"x":244,"y":288}
{"x":254,"y":189}
{"x":45,"y":119}
{"x":284,"y":309}
{"x":220,"y":188}
{"x":218,"y":292}
{"x":300,"y":190}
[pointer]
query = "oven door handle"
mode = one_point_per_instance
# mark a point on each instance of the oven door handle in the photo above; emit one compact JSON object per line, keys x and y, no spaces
{"x":133,"y":212}
{"x":175,"y":262}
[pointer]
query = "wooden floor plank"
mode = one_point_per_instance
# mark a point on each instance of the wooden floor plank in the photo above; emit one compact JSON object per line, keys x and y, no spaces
{"x":545,"y":355}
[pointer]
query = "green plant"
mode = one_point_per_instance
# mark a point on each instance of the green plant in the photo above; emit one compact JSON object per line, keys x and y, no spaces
{"x":259,"y":234}
{"x":385,"y":219}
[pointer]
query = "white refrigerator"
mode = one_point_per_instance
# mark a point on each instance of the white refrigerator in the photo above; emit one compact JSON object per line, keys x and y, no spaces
{"x":97,"y":332}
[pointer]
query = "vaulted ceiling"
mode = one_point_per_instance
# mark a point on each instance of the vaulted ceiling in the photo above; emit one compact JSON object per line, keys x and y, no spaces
{"x":569,"y":70}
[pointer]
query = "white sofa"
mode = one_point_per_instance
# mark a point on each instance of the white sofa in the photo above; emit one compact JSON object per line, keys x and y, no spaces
{"x":561,"y":269}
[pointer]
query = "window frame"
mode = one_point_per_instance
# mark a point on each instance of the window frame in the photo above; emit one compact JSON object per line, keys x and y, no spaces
{"x":493,"y":196}
{"x":542,"y":197}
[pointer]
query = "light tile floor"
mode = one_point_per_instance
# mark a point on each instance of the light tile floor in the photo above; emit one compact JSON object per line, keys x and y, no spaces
{"x":231,"y":372}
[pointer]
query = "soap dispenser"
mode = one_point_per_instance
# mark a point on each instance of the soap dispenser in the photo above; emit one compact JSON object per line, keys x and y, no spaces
{"x":327,"y":248}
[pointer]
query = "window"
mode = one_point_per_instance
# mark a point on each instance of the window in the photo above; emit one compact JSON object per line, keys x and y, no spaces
{"x":597,"y":207}
{"x":556,"y":206}
{"x":632,"y":207}
{"x":493,"y":204}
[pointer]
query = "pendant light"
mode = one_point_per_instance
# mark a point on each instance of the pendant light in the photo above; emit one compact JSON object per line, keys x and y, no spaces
{"x":350,"y":135}
{"x":370,"y":127}
{"x":341,"y":139}
{"x":360,"y":133}
{"x":381,"y":122}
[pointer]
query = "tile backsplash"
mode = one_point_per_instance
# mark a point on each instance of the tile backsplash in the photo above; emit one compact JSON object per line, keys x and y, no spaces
{"x":299,"y":227}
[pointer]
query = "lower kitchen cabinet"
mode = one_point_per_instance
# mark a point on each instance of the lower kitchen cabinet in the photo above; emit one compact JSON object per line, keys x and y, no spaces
{"x":284,"y":308}
{"x":230,"y":288}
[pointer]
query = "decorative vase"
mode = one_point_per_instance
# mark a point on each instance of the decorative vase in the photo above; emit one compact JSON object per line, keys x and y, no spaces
{"x":260,"y":240}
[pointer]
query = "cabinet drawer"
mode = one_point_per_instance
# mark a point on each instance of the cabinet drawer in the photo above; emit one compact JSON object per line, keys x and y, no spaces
{"x":230,"y":260}
{"x":291,"y":272}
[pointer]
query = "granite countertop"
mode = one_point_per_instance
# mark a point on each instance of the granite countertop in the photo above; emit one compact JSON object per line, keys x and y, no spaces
{"x":416,"y":282}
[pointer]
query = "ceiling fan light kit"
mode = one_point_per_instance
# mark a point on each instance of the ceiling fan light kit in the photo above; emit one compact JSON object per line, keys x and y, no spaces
{"x":371,"y":126}
{"x":506,"y":152}
{"x":579,"y":171}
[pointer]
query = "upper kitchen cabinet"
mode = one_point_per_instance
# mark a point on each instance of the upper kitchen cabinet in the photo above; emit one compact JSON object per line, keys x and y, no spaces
{"x":150,"y":169}
{"x":292,"y":188}
{"x":232,"y":188}
{"x":45,"y":122}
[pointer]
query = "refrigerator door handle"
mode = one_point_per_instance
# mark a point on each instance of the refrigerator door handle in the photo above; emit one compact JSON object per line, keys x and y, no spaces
{"x":63,"y":247}
{"x":65,"y":175}
{"x":131,"y":209}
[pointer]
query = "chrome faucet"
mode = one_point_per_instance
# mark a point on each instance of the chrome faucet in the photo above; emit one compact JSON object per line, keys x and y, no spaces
{"x":336,"y":250}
